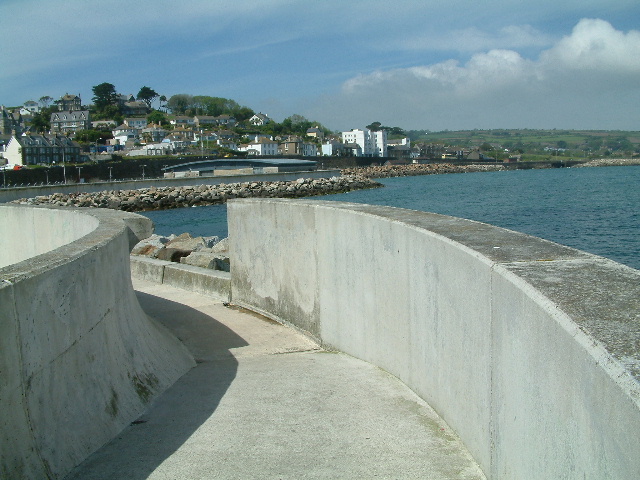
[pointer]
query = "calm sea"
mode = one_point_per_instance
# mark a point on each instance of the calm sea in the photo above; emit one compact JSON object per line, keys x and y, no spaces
{"x":593,"y":209}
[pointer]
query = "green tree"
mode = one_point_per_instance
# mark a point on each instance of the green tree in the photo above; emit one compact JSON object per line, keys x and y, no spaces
{"x":41,"y":121}
{"x":45,"y":101}
{"x":157,"y":117}
{"x":619,"y":144}
{"x":88,"y":136}
{"x":147,"y":95}
{"x":104,"y":95}
{"x":111,"y":112}
{"x":594,"y":143}
{"x":178,"y":104}
{"x":243,"y":113}
{"x":375,"y":126}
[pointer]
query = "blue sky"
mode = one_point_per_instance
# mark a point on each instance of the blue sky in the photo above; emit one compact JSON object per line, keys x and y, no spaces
{"x":416,"y":64}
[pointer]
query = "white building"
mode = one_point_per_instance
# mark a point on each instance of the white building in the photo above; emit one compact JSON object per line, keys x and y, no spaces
{"x":123,"y":134}
{"x":261,"y":147}
{"x":372,"y":143}
{"x":138,"y":123}
{"x":259,"y":119}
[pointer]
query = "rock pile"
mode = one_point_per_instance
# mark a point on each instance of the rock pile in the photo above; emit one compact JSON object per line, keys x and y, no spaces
{"x":204,"y":252}
{"x":160,"y":198}
{"x":412,"y":169}
{"x":610,"y":162}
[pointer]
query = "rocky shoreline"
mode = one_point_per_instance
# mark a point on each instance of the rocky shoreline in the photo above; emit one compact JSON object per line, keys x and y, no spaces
{"x":611,"y":162}
{"x":413,"y":169}
{"x":162,"y":198}
{"x":356,"y":178}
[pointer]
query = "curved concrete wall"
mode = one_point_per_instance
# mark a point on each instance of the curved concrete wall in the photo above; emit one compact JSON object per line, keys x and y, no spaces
{"x":530,"y":350}
{"x":79,"y":359}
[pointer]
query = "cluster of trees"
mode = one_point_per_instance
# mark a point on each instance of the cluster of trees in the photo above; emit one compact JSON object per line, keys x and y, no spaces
{"x":185,"y":104}
{"x":106,"y":100}
{"x":392,"y":131}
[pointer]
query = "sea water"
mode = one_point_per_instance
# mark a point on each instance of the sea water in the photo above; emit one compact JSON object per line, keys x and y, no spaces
{"x":593,"y":209}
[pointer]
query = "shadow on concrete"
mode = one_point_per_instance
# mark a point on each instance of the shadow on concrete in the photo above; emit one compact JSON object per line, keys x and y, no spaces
{"x":179,"y":411}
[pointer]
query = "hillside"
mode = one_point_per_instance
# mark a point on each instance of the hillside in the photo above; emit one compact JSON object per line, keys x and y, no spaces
{"x":539,"y":144}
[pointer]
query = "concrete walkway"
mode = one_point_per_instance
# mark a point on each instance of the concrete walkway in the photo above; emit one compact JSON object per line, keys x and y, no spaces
{"x":264,"y":402}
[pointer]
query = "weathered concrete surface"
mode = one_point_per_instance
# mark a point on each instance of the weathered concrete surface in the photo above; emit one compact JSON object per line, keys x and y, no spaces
{"x":528,"y":349}
{"x":201,"y":280}
{"x":79,"y":359}
{"x":265,"y":402}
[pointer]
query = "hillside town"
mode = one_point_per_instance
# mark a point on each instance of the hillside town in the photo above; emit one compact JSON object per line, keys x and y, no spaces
{"x":50,"y":132}
{"x":116,"y":126}
{"x":22,"y":143}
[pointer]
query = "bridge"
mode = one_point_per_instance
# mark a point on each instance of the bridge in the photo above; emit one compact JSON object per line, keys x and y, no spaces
{"x":406,"y":345}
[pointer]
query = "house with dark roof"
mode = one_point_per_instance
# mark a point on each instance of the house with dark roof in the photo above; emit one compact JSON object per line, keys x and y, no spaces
{"x":202,"y":120}
{"x":259,"y":119}
{"x":9,"y":122}
{"x":69,"y":103}
{"x":135,"y":108}
{"x":315,"y":132}
{"x":226,"y":120}
{"x":41,"y":149}
{"x":70,"y":121}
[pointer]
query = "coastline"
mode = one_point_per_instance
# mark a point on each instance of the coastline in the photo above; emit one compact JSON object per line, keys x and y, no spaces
{"x":415,"y":169}
{"x":611,"y":162}
{"x":352,"y":178}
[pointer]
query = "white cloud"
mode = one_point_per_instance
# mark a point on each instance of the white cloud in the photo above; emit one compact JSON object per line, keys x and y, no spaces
{"x":474,"y":39}
{"x":588,"y":79}
{"x":595,"y":45}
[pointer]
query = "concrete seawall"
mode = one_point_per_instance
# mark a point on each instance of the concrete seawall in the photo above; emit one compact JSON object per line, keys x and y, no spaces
{"x":212,"y":283}
{"x":79,"y":359}
{"x":530,"y":350}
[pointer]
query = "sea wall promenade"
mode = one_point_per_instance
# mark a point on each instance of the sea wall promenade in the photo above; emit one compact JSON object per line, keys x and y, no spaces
{"x":530,"y":350}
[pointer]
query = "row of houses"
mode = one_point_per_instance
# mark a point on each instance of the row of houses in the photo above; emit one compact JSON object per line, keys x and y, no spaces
{"x":41,"y":150}
{"x":356,"y":142}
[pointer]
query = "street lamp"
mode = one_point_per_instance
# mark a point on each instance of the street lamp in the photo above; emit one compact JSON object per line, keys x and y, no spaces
{"x":64,"y":169}
{"x":46,"y":172}
{"x":79,"y":169}
{"x":143,"y":171}
{"x":110,"y":168}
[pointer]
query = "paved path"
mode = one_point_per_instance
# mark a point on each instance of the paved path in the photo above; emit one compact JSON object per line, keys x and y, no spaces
{"x":264,"y":402}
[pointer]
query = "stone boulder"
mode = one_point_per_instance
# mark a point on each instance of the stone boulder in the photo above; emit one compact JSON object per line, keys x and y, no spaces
{"x":149,"y":247}
{"x":203,"y":252}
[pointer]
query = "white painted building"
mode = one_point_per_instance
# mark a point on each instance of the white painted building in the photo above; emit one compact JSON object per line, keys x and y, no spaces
{"x":372,"y":143}
{"x":261,"y":147}
{"x":138,"y":123}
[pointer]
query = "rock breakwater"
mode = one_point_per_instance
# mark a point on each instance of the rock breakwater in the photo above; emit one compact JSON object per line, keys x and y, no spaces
{"x":161,"y":198}
{"x":386,"y":171}
{"x":611,"y":162}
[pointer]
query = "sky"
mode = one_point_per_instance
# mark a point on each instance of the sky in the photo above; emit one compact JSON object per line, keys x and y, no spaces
{"x":414,"y":64}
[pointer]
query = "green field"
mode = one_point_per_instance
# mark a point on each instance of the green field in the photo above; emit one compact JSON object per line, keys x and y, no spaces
{"x":539,"y":144}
